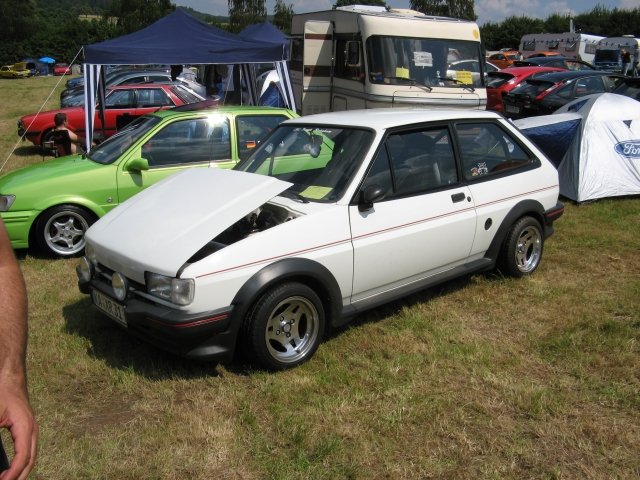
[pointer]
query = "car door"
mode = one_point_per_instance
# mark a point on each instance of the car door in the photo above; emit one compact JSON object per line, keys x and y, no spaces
{"x":426,"y":221}
{"x":119,"y":107}
{"x":493,"y":166}
{"x":198,"y":142}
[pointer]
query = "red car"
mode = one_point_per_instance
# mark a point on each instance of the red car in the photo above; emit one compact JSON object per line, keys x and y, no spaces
{"x":122,"y":104}
{"x":61,"y":69}
{"x":503,"y":81}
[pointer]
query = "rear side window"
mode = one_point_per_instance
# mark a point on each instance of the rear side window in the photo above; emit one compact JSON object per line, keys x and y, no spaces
{"x":487,"y":150}
{"x":533,"y":87}
{"x":185,"y":95}
{"x":252,"y":129}
{"x":153,"y":97}
{"x":497,"y":79}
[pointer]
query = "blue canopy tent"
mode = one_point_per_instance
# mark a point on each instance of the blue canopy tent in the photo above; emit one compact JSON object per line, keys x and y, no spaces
{"x":180,"y":38}
{"x":267,"y":32}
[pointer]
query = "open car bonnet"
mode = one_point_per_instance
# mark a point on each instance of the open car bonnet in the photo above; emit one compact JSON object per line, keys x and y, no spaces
{"x":160,"y":228}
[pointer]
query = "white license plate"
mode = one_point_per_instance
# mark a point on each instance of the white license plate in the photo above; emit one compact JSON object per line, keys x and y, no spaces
{"x":110,"y":307}
{"x":511,"y":109}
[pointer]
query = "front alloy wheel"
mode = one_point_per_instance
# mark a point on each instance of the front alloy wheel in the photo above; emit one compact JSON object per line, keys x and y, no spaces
{"x":60,"y":231}
{"x":285,"y":327}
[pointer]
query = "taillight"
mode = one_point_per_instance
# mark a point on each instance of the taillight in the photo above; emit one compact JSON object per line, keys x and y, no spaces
{"x":546,"y":92}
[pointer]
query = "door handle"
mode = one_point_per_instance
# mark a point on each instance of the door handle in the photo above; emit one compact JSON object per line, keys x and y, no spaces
{"x":458,"y":197}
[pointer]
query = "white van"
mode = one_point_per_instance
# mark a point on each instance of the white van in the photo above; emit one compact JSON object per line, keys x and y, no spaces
{"x":609,"y":52}
{"x":365,"y":57}
{"x":581,"y":46}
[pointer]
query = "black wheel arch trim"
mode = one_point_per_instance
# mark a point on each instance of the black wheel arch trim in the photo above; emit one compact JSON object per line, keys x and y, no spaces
{"x":315,"y":275}
{"x":531,"y":208}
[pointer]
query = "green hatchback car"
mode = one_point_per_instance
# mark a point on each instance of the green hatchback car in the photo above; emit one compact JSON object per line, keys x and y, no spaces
{"x":51,"y":205}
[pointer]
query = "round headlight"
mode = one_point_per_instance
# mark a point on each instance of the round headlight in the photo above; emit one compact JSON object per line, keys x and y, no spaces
{"x":120,"y":286}
{"x":84,"y":270}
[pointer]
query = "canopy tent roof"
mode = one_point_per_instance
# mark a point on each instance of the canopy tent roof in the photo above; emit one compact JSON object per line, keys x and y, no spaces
{"x":265,"y":32}
{"x":180,"y":38}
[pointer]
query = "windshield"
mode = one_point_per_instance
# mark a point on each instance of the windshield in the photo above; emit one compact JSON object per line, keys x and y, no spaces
{"x":607,"y":56}
{"x":319,"y":161}
{"x":111,"y":149}
{"x":432,"y":62}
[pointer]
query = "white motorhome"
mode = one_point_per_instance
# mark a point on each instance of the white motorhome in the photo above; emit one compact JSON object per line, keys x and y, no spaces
{"x":609,"y":52}
{"x":366,"y":57}
{"x":569,"y":44}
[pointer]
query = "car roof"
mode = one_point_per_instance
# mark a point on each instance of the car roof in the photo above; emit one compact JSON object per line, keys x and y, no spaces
{"x":568,"y":74}
{"x":234,"y":109}
{"x":383,"y":118}
{"x":529,"y":68}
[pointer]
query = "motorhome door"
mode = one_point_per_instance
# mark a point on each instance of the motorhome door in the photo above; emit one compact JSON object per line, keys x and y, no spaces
{"x":317,"y":70}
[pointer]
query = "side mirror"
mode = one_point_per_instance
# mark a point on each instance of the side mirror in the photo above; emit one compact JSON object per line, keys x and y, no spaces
{"x":137,"y":165}
{"x":369,"y":196}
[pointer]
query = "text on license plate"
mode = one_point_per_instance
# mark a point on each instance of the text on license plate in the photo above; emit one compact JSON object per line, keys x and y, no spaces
{"x":512,"y":109}
{"x":108,"y":306}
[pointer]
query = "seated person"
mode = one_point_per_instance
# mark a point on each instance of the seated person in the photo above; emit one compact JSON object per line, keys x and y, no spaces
{"x":66,"y":141}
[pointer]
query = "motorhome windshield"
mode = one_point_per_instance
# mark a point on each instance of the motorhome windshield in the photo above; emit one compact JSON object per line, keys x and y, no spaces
{"x":430,"y":62}
{"x":607,"y":56}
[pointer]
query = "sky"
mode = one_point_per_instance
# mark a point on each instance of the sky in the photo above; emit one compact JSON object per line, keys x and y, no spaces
{"x":487,"y":10}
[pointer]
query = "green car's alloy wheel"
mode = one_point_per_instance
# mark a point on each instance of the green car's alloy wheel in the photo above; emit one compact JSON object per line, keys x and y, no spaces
{"x":60,"y":230}
{"x":285,"y":327}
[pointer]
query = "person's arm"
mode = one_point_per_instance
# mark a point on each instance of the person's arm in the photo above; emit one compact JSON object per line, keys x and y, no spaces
{"x":15,"y":412}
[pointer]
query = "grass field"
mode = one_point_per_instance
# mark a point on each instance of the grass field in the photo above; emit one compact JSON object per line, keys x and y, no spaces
{"x":484,"y":377}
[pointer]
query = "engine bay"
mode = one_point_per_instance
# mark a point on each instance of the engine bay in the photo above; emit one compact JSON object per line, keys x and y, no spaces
{"x":263,"y":218}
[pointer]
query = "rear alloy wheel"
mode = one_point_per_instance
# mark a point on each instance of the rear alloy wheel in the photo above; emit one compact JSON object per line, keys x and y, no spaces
{"x":522,"y":249}
{"x":285,"y":327}
{"x":60,"y":230}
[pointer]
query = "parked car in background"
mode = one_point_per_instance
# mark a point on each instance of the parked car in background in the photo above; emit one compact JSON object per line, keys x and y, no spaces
{"x":332,"y":214}
{"x":468,"y":71}
{"x":50,"y":205}
{"x":17,"y":70}
{"x":505,"y":80}
{"x":61,"y":69}
{"x":504,"y":59}
{"x":547,"y":92}
{"x":629,"y":87}
{"x":543,"y":54}
{"x":74,"y":97}
{"x":557,"y":61}
{"x":122,"y":104}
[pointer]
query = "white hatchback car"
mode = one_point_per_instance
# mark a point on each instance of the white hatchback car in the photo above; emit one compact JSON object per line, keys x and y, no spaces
{"x":333,"y":214}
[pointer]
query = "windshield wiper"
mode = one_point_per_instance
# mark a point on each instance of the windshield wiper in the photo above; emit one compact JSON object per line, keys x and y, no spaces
{"x":412,"y":82}
{"x":294,"y":195}
{"x":458,"y":82}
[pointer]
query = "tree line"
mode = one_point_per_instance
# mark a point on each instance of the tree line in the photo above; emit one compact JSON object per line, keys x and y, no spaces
{"x":59,"y":28}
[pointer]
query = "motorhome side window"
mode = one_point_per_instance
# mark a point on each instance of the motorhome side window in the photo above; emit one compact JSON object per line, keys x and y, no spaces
{"x":424,"y":61}
{"x":349,"y":62}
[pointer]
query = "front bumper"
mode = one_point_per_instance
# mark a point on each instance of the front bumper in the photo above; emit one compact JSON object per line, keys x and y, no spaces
{"x":18,"y":225}
{"x":207,"y":335}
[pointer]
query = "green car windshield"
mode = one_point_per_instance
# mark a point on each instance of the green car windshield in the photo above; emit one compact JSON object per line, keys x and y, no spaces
{"x":318,"y":160}
{"x":112,"y":148}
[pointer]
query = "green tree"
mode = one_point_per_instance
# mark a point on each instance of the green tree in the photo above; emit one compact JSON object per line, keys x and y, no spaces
{"x":133,"y":15}
{"x":508,"y":33}
{"x":282,"y":15}
{"x":246,"y":12}
{"x":446,"y":8}
{"x":18,"y":19}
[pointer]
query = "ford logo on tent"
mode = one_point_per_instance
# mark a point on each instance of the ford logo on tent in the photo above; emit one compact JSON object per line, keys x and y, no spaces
{"x":629,"y":149}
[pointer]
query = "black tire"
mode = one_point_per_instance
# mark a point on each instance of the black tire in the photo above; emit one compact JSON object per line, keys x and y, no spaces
{"x":521,"y":251}
{"x":285,"y":326}
{"x":60,"y":230}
